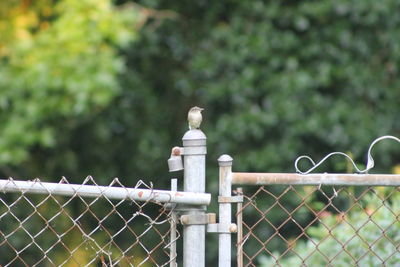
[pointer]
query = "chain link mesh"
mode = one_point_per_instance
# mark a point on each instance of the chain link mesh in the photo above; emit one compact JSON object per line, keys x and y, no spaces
{"x":52,"y":230}
{"x":320,"y":226}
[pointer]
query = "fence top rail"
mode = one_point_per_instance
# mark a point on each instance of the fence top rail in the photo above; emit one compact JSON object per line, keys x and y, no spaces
{"x":248,"y":178}
{"x":110,"y":192}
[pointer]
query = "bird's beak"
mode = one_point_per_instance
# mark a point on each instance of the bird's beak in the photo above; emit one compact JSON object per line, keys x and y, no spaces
{"x":201,"y":109}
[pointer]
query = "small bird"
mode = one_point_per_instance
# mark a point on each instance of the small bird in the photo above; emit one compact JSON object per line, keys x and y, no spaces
{"x":195,"y":118}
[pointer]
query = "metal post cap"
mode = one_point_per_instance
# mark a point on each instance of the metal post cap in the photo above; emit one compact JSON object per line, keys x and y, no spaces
{"x":225,"y":160}
{"x":194,"y":137}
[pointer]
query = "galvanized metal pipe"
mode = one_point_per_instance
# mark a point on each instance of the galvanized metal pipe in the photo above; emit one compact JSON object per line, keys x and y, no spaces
{"x":174,"y":219}
{"x":248,"y":178}
{"x":225,"y":210}
{"x":239,"y":217}
{"x":110,"y":192}
{"x":194,"y":143}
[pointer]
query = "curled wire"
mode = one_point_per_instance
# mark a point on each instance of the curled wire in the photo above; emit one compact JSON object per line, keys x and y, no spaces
{"x":370,"y":161}
{"x":315,"y":165}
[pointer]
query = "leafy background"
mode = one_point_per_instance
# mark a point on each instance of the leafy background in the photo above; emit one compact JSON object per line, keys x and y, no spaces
{"x":103,"y":87}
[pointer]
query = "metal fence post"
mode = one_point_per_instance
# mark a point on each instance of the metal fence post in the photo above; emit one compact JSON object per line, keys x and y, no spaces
{"x":194,"y":143}
{"x":174,"y":220}
{"x":225,"y":211}
{"x":239,"y":217}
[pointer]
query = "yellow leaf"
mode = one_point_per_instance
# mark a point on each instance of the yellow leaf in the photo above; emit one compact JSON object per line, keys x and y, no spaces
{"x":396,"y":169}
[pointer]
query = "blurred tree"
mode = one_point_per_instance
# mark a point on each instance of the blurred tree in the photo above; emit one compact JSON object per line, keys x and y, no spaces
{"x":58,"y":64}
{"x":301,"y":77}
{"x":277,"y":79}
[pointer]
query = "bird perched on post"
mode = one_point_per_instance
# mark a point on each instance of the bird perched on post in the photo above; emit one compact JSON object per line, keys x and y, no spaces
{"x":195,"y":118}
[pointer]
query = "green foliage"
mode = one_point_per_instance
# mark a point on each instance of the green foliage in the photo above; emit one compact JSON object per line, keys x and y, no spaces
{"x":277,"y":79}
{"x":295,"y":78}
{"x":59,"y":71}
{"x":365,"y":237}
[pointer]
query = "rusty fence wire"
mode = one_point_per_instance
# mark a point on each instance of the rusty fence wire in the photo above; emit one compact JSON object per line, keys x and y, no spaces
{"x":319,"y":226}
{"x":52,"y":230}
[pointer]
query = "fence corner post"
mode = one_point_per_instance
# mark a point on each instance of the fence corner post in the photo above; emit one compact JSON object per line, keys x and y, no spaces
{"x":195,"y":150}
{"x":225,"y":211}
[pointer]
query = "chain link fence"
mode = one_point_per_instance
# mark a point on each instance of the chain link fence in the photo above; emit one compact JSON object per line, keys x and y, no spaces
{"x":286,"y":219}
{"x":315,"y":226}
{"x":319,"y":226}
{"x":318,"y":219}
{"x":54,"y":230}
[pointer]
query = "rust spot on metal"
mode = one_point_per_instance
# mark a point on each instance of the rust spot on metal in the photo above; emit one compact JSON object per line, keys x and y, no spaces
{"x":212,"y":218}
{"x":176,"y":151}
{"x":140,"y":194}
